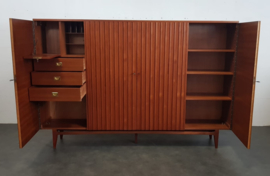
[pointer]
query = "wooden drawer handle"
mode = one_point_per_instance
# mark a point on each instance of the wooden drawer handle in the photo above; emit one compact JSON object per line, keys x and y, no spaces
{"x":59,"y":64}
{"x":54,"y":94}
{"x":57,"y":78}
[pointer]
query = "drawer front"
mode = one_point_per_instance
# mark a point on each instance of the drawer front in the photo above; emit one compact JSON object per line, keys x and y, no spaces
{"x":58,"y":78}
{"x":57,"y":93}
{"x":60,"y":64}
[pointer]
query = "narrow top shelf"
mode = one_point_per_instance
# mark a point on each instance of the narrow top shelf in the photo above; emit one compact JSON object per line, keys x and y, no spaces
{"x":71,"y":33}
{"x":42,"y":56}
{"x":211,"y":50}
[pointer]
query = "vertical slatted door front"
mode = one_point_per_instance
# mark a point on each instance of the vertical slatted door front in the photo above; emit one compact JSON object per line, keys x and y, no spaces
{"x":22,"y":45}
{"x":135,"y":75}
{"x":247,"y":53}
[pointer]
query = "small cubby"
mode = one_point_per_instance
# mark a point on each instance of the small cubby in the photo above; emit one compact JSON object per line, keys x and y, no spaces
{"x":208,"y":112}
{"x":63,"y":115}
{"x":63,"y":38}
{"x":211,"y":61}
{"x":74,"y":38}
{"x":209,"y":85}
{"x":47,"y":37}
{"x":212,"y":36}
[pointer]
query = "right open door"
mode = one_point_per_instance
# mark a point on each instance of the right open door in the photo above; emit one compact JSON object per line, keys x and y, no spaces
{"x":246,"y":64}
{"x":22,"y":45}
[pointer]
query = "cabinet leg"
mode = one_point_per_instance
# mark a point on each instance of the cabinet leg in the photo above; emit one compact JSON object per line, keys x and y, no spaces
{"x":210,"y":137}
{"x":61,"y":136}
{"x":216,"y":138}
{"x":136,"y":138}
{"x":54,"y":133}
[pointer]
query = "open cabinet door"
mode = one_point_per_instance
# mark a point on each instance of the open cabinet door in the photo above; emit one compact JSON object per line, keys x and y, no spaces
{"x":22,"y":45}
{"x":247,"y":52}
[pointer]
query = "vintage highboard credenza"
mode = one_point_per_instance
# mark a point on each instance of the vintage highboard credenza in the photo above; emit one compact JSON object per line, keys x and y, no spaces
{"x":120,"y":76}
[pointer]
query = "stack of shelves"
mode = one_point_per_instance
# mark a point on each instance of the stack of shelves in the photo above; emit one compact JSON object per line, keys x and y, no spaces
{"x":210,"y":73}
{"x":74,"y":38}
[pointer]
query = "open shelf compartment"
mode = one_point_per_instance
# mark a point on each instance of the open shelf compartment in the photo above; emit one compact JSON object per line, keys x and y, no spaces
{"x":211,"y":63}
{"x":209,"y":87}
{"x":73,"y":37}
{"x":208,"y":114}
{"x":63,"y":115}
{"x":212,"y":37}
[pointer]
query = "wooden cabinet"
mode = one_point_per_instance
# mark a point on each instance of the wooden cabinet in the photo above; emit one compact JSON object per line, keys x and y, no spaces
{"x":102,"y":76}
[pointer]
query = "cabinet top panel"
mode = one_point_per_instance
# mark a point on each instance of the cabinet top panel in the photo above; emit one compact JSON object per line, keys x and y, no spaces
{"x":133,"y":20}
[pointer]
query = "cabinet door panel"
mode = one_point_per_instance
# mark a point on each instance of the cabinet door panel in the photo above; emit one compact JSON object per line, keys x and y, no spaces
{"x":247,"y":52}
{"x":135,"y":75}
{"x":22,"y":45}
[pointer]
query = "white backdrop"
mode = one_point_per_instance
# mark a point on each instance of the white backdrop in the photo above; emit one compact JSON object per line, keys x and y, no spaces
{"x":237,"y":10}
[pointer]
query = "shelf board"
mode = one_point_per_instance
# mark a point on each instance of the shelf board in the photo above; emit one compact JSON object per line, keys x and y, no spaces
{"x":42,"y":56}
{"x":211,"y":50}
{"x":198,"y":126}
{"x":200,"y":97}
{"x":70,"y":33}
{"x":73,"y":55}
{"x":209,"y":73}
{"x":75,"y":124}
{"x":75,"y":43}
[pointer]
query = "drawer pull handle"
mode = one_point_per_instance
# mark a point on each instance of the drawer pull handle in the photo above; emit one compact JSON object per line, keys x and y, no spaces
{"x":54,"y":94}
{"x":59,"y":64}
{"x":57,"y":78}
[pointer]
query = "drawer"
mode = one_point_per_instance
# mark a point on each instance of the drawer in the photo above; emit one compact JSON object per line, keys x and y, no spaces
{"x":60,"y":64}
{"x":57,"y":93}
{"x":58,"y":78}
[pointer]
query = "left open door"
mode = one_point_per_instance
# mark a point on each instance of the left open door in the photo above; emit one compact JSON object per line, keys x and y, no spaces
{"x":23,"y":45}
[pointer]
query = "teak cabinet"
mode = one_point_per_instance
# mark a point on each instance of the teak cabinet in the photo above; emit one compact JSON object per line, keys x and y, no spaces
{"x":102,"y":76}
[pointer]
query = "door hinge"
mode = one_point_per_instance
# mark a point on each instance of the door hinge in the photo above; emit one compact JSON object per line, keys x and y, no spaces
{"x":254,"y":81}
{"x":14,"y":79}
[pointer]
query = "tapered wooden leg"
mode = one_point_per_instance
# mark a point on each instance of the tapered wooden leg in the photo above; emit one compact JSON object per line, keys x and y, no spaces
{"x":61,"y":136}
{"x":210,"y":137}
{"x":54,"y":133}
{"x":136,"y":138}
{"x":216,"y":138}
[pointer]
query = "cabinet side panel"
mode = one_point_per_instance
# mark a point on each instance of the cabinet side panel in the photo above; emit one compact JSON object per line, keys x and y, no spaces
{"x":22,"y":45}
{"x":245,"y":80}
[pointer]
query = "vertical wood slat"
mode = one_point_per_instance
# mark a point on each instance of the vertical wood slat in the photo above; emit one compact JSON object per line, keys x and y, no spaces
{"x":136,"y":75}
{"x":184,"y":75}
{"x":107,"y":72}
{"x":112,"y":72}
{"x":121,"y":75}
{"x":134,"y":71}
{"x":102,"y":75}
{"x":130,"y":74}
{"x":126,"y":115}
{"x":170,"y":85}
{"x":116,"y":75}
{"x":98,"y":74}
{"x":89,"y":101}
{"x":138,"y":118}
{"x":147,"y":72}
{"x":152,"y":73}
{"x":166,"y":75}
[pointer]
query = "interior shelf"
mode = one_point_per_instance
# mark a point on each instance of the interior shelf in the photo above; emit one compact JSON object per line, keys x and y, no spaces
{"x":75,"y":124}
{"x":209,"y":73}
{"x":75,"y":43}
{"x":211,"y":50}
{"x":71,"y":33}
{"x":200,"y":97}
{"x":194,"y":126}
{"x":42,"y":56}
